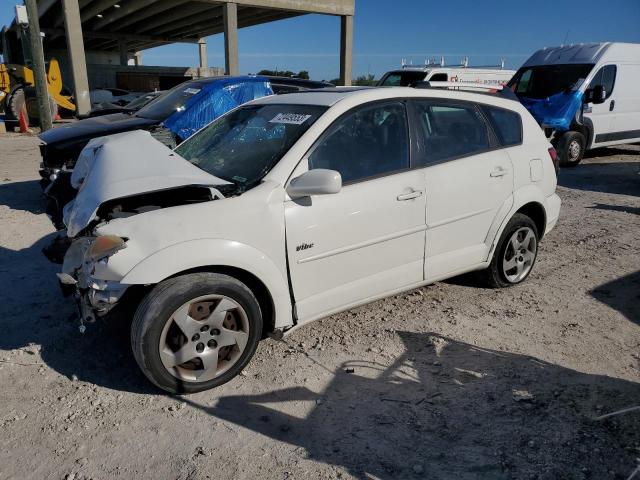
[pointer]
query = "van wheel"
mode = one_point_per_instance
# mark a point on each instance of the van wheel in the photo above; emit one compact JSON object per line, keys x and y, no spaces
{"x":515,"y":254}
{"x":571,"y":149}
{"x":195,"y":332}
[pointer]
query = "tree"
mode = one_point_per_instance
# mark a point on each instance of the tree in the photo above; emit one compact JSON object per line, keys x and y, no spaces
{"x":304,"y":74}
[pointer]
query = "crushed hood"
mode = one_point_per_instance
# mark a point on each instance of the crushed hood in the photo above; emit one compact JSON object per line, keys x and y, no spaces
{"x":124,"y":165}
{"x":557,"y":111}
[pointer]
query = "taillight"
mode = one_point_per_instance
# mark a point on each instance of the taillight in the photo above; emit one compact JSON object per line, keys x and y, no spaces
{"x":554,"y":158}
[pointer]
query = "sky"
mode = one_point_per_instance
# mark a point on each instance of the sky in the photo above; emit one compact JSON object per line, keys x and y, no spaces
{"x":385,"y":32}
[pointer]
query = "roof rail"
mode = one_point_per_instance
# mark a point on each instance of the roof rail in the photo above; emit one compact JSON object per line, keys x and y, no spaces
{"x":498,"y":90}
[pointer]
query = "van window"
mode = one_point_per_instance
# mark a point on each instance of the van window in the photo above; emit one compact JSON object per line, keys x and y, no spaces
{"x":606,"y":77}
{"x":450,"y":131}
{"x":547,"y":80}
{"x":401,"y":79}
{"x":439,"y":77}
{"x":369,"y":142}
{"x":507,"y":124}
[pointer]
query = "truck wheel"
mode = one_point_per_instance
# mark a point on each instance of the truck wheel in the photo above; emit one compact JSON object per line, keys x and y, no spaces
{"x":14,"y":103}
{"x":31,"y":101}
{"x":515,"y":254}
{"x":571,"y":149}
{"x":195,"y":332}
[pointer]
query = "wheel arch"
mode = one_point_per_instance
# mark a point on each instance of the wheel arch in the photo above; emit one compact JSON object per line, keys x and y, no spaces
{"x":536,"y":212}
{"x":235,"y":259}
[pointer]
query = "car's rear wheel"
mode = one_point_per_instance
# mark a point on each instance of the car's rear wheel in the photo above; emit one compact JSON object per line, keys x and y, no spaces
{"x":196,"y":332}
{"x":571,"y":147}
{"x":515,"y":254}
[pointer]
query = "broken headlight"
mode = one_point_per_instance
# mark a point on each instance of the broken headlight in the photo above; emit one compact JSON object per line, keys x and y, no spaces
{"x":105,"y":246}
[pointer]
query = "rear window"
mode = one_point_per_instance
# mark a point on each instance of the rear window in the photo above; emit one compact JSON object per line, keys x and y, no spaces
{"x":508,"y":125}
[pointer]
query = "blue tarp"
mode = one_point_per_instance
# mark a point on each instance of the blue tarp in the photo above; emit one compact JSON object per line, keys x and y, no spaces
{"x":214,"y":100}
{"x":556,"y":111}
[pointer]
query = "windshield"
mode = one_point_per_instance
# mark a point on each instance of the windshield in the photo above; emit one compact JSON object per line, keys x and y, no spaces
{"x":245,"y":144}
{"x":401,"y":79}
{"x":547,"y":80}
{"x":173,"y":101}
{"x":142,"y":100}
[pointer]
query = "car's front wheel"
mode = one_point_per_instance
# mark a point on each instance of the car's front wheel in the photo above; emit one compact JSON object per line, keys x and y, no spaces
{"x":515,"y":254}
{"x":571,"y":147}
{"x":195,"y":332}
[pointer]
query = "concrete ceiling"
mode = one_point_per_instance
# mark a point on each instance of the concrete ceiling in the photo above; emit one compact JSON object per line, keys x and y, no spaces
{"x":145,"y":24}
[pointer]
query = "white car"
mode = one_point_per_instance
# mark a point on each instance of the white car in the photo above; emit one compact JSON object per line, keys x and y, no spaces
{"x":294,"y":207}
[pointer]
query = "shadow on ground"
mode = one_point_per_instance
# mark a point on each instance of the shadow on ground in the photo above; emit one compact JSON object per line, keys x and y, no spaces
{"x":26,"y":196}
{"x":622,"y":294}
{"x":621,"y":178}
{"x":446,"y":409}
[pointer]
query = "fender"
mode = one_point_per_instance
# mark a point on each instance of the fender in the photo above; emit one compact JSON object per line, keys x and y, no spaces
{"x":199,"y":253}
{"x":521,"y":197}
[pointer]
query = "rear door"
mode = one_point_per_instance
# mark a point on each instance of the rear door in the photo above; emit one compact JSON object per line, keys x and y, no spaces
{"x":368,"y":239}
{"x":469,"y":183}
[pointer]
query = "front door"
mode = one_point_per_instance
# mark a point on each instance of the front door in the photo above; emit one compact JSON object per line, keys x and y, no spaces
{"x":602,"y":115}
{"x":368,"y":239}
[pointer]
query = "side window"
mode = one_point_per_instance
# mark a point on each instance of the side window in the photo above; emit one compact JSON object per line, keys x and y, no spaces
{"x":523,"y":81}
{"x":450,"y":131}
{"x":606,"y":77}
{"x":368,"y":142}
{"x":439,"y":77}
{"x":508,"y":125}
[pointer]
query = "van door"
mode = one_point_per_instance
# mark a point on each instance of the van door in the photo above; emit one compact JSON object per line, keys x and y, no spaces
{"x":626,"y":121}
{"x":602,"y":115}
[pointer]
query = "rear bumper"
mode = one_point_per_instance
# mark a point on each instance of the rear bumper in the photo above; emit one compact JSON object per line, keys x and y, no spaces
{"x":552,"y":208}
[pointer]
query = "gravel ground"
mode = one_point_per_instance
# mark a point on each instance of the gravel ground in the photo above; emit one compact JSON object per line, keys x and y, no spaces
{"x":450,"y":381}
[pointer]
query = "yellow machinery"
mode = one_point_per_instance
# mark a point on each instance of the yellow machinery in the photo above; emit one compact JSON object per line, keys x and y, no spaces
{"x":17,"y":89}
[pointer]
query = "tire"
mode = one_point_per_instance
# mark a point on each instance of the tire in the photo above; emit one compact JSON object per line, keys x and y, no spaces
{"x":14,"y":103}
{"x":501,"y":272}
{"x":195,"y":332}
{"x":571,"y":147}
{"x":33,"y":110}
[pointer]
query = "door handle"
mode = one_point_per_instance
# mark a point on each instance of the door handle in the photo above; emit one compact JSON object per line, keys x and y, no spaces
{"x":498,"y":172}
{"x":612,"y":105}
{"x":409,"y":196}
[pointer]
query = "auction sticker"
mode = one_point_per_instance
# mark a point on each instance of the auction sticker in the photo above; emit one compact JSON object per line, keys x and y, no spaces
{"x":290,"y":118}
{"x":191,"y":91}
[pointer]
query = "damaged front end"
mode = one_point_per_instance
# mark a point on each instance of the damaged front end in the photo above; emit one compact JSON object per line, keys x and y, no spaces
{"x":114,"y":183}
{"x":94,"y":297}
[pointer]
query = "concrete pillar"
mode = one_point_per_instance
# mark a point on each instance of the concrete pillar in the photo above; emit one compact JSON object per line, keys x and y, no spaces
{"x":124,"y":54}
{"x":137,"y":58}
{"x":346,"y":49}
{"x":230,"y":20}
{"x":75,"y":46}
{"x":202,"y":48}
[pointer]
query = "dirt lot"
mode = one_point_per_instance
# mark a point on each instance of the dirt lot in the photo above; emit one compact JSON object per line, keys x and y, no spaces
{"x":451,"y":381}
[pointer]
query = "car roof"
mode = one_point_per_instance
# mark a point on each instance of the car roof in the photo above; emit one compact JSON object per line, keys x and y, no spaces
{"x":331,"y":96}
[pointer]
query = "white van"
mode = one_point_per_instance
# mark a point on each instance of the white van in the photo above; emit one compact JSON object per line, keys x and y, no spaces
{"x":584,"y":96}
{"x":432,"y":72}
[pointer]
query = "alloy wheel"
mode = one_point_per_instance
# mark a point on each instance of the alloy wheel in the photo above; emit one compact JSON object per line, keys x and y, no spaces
{"x":519,"y":255}
{"x":204,"y":338}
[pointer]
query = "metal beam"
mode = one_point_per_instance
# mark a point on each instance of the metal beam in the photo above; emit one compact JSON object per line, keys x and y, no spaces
{"x":75,"y":47}
{"x":230,"y":20}
{"x":328,"y":7}
{"x":168,"y":22}
{"x":95,"y":8}
{"x":127,"y":8}
{"x":123,"y":36}
{"x":147,"y":13}
{"x":346,"y":49}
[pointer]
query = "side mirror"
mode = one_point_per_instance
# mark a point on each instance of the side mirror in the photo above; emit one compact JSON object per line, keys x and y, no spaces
{"x":315,"y":182}
{"x":596,"y":94}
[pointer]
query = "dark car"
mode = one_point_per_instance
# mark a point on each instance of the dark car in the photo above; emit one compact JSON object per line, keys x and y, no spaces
{"x":178,"y":114}
{"x":132,"y":106}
